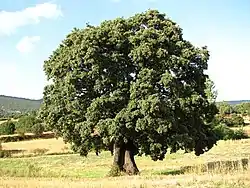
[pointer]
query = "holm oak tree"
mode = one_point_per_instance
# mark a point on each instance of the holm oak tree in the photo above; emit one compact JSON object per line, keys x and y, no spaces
{"x":134,"y":85}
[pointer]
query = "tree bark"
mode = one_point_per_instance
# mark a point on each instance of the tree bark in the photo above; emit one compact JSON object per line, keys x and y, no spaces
{"x":118,"y":156}
{"x":124,"y":159}
{"x":130,"y":166}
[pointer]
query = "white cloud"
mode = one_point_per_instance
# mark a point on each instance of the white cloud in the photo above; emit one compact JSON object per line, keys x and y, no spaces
{"x":27,"y":44}
{"x":10,"y":21}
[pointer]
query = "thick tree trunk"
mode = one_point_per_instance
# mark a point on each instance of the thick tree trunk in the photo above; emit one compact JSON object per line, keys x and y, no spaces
{"x":118,"y":156}
{"x":124,"y":159}
{"x":129,"y":163}
{"x":111,"y":148}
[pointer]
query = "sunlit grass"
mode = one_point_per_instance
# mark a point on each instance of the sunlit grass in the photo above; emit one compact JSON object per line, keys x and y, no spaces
{"x":232,"y":180}
{"x":71,"y":170}
{"x":74,"y":166}
{"x":39,"y":146}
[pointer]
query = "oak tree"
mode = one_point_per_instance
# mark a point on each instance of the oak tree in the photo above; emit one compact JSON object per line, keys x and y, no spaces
{"x":132,"y":83}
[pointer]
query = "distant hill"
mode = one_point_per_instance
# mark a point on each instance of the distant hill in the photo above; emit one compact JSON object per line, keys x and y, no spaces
{"x":15,"y":104}
{"x":236,"y":102}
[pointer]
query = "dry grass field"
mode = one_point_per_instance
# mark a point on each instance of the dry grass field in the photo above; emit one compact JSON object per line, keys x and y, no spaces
{"x":39,"y":146}
{"x":233,"y":180}
{"x":220,"y":167}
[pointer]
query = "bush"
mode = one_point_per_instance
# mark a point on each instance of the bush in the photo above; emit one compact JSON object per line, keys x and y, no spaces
{"x":231,"y":121}
{"x":7,"y":128}
{"x":237,"y":120}
{"x":4,"y":153}
{"x":29,"y":124}
{"x":225,"y":133}
{"x":25,"y":124}
{"x":37,"y":129}
{"x":240,"y":134}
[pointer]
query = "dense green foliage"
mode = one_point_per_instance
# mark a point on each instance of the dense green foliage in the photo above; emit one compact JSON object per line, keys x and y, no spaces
{"x":243,"y":108}
{"x":233,"y":120}
{"x":134,"y":82}
{"x":7,"y":128}
{"x":10,"y":106}
{"x":232,"y":115}
{"x":236,"y":120}
{"x":29,"y":124}
{"x":225,"y":108}
{"x":229,"y":107}
{"x":225,"y":133}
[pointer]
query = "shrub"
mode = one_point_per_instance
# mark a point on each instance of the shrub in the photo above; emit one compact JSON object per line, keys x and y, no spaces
{"x":4,"y":153}
{"x":25,"y":124}
{"x":231,"y":121}
{"x":29,"y":124}
{"x":237,"y":120}
{"x":239,"y":134}
{"x":7,"y":128}
{"x":225,"y":133}
{"x":37,"y":129}
{"x":40,"y":151}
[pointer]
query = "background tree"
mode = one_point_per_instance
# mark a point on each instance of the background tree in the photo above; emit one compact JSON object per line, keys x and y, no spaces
{"x":237,"y":120}
{"x":7,"y":128}
{"x":233,"y":120}
{"x":135,"y":83}
{"x":1,"y":112}
{"x":243,"y":108}
{"x":210,"y":91}
{"x":29,"y":123}
{"x":225,"y":108}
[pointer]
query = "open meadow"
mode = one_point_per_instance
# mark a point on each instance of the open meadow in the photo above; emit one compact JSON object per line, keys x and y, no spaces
{"x":225,"y":165}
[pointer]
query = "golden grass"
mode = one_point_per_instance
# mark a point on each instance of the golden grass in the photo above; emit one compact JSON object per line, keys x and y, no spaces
{"x":30,"y":147}
{"x":232,"y":180}
{"x":75,"y":171}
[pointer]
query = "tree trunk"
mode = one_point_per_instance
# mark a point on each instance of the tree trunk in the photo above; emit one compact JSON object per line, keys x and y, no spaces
{"x":129,"y":163}
{"x":124,"y":160}
{"x":118,"y":156}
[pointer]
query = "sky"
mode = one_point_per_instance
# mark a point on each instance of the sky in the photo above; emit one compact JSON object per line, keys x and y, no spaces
{"x":31,"y":29}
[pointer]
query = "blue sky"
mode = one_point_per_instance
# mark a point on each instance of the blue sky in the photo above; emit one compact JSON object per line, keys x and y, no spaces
{"x":31,"y":29}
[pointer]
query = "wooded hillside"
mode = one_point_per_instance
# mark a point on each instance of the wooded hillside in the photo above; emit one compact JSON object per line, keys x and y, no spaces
{"x":17,"y":105}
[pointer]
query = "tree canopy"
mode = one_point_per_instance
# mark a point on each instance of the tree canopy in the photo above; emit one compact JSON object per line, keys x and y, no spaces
{"x":134,"y":83}
{"x":243,"y":108}
{"x":29,"y":123}
{"x":225,"y":108}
